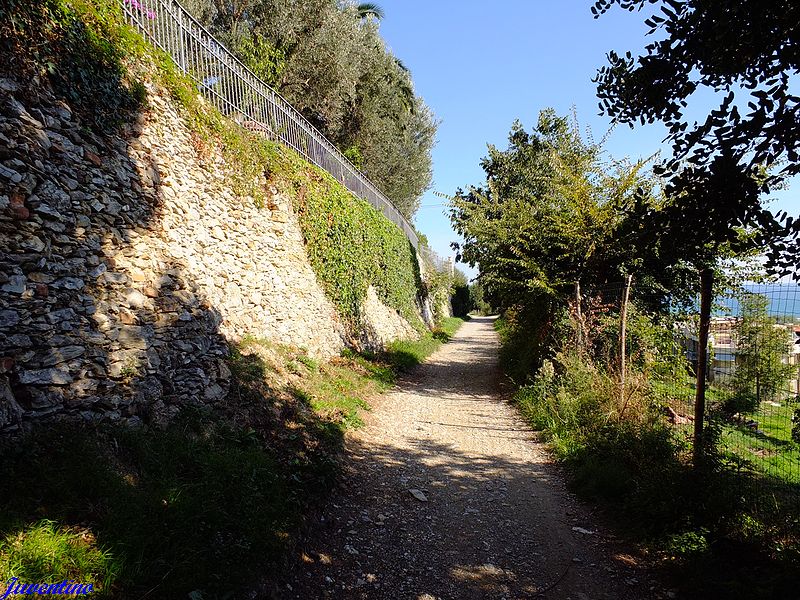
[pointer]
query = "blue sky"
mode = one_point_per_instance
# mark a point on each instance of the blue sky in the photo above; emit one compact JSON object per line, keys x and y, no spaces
{"x":480,"y":65}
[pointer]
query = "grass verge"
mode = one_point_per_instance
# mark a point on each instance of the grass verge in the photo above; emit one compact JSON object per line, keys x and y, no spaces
{"x":405,"y":354}
{"x":205,"y":507}
{"x":716,"y":531}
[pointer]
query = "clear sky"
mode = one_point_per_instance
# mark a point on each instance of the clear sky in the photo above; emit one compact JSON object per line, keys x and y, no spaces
{"x":479,"y":65}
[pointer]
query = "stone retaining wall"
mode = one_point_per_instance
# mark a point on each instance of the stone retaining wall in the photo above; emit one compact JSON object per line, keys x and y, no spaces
{"x":128,"y":264}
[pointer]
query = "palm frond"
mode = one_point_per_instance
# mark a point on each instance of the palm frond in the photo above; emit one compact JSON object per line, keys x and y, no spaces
{"x":369,"y":9}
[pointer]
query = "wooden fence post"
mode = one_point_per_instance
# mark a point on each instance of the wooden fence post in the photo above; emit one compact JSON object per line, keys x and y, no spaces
{"x":706,"y":284}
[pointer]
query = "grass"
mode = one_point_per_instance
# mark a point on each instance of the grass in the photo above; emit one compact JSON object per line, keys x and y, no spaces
{"x":210,"y":503}
{"x":769,"y":448}
{"x":338,"y":390}
{"x":194,"y":506}
{"x":406,"y":354}
{"x":719,"y":530}
{"x":36,"y":552}
{"x":206,"y":506}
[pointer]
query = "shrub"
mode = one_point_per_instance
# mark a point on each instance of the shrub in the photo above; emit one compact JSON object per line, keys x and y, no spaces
{"x":81,"y":47}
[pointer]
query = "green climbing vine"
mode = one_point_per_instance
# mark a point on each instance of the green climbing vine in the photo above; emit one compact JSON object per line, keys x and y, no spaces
{"x":352,"y":246}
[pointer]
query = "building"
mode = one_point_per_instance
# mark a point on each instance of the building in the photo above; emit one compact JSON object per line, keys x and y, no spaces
{"x":722,"y":341}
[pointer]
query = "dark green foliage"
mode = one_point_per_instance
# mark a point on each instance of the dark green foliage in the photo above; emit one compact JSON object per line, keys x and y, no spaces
{"x":353,"y":154}
{"x":349,"y":243}
{"x":477,"y":299}
{"x":722,"y":167}
{"x":631,"y":462}
{"x":551,"y":213}
{"x":460,"y":301}
{"x":329,"y":61}
{"x":80,"y":47}
{"x":528,"y":334}
{"x":629,"y":459}
{"x":352,"y":246}
{"x":196,"y":506}
{"x":652,"y":348}
{"x":460,"y":298}
{"x":626,"y":455}
{"x":266,"y":61}
{"x":208,"y":504}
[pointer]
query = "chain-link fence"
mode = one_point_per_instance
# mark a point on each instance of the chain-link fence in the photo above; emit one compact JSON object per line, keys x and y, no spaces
{"x":240,"y":95}
{"x":751,"y":399}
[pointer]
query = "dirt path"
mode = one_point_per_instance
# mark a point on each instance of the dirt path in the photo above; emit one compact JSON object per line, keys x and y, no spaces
{"x":492,"y":518}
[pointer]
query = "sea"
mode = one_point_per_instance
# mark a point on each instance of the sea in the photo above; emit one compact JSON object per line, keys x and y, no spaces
{"x":783,"y":301}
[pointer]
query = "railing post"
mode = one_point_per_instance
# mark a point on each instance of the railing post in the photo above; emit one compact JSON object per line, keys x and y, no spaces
{"x":181,"y":45}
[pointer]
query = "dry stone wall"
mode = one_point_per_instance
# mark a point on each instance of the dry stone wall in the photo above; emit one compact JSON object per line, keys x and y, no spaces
{"x":381,"y":324}
{"x":128,"y":264}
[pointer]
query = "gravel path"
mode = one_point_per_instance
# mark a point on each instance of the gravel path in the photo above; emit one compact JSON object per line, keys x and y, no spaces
{"x":449,"y":495}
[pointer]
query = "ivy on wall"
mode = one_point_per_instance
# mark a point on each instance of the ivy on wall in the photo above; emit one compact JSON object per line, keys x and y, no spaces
{"x":80,"y":47}
{"x":349,"y":243}
{"x":352,"y":246}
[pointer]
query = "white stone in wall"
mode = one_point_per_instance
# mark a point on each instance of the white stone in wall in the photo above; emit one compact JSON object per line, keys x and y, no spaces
{"x":382,"y":324}
{"x":227,"y":240}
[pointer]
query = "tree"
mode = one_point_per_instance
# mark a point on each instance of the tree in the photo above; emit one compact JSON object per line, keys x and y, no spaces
{"x":476,"y":299}
{"x":762,"y":345}
{"x":460,"y":299}
{"x":551,"y":213}
{"x":722,"y":167}
{"x":328,"y":60}
{"x":393,"y":131}
{"x":369,"y":9}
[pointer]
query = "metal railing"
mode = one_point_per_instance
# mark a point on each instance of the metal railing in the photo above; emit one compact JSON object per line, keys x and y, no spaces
{"x":240,"y":95}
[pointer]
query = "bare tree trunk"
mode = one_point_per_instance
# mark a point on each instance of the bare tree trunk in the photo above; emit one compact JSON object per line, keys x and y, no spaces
{"x":579,"y":335}
{"x":623,"y":317}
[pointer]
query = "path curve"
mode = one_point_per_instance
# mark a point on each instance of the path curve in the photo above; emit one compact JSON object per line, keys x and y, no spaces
{"x":492,"y":518}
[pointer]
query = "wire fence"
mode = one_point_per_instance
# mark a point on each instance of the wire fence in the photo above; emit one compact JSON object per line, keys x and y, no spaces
{"x":240,"y":95}
{"x":752,"y":382}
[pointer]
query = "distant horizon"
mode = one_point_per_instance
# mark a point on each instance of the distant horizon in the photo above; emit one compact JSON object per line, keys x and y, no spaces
{"x":783,"y":298}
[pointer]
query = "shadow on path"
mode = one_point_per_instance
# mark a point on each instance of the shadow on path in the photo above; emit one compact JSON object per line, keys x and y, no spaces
{"x":488,"y":517}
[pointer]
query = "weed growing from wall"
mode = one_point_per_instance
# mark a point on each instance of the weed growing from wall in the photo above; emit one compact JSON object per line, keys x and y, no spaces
{"x":81,"y":47}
